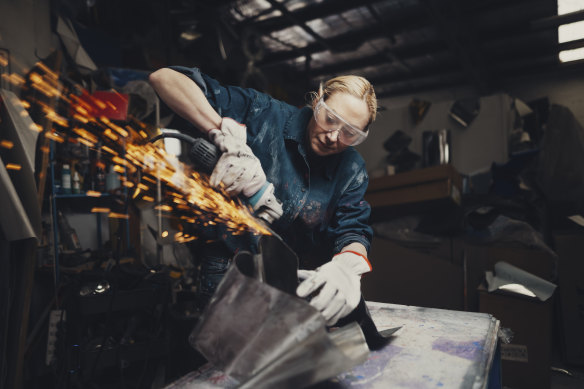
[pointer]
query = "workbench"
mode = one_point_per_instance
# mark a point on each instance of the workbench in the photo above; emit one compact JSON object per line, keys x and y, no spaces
{"x":435,"y":348}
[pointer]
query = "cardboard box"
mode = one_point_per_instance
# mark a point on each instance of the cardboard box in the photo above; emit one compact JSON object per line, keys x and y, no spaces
{"x":525,"y":362}
{"x":415,"y":191}
{"x":406,"y":276}
{"x":570,"y":249}
{"x":478,"y":259}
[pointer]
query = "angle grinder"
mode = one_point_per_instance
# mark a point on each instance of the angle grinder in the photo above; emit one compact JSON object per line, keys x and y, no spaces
{"x":204,"y":156}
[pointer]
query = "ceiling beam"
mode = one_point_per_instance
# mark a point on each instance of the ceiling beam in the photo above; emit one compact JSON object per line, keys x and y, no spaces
{"x":444,"y":81}
{"x":488,"y":5}
{"x":524,"y":13}
{"x":448,"y":80}
{"x":532,"y":39}
{"x":353,"y":39}
{"x":532,"y":64}
{"x":459,"y":35}
{"x":430,"y":71}
{"x":349,"y":40}
{"x":404,"y":53}
{"x":290,"y":16}
{"x":577,"y":44}
{"x":316,"y":11}
{"x":558,"y":20}
{"x":334,"y":7}
{"x":390,"y":54}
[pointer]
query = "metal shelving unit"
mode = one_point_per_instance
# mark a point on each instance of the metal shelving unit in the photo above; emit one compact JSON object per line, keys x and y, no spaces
{"x":55,"y":196}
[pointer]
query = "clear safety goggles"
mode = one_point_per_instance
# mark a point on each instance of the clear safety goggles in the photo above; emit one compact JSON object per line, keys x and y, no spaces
{"x":330,"y":121}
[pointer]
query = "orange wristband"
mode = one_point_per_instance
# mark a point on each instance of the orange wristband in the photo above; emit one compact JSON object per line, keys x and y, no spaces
{"x":359,"y":254}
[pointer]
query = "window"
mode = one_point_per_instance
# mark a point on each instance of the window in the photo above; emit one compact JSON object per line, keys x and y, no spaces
{"x":572,"y":31}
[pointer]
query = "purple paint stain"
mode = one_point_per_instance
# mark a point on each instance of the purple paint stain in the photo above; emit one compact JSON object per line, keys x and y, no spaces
{"x":468,"y":350}
{"x":375,"y":364}
{"x":312,"y":213}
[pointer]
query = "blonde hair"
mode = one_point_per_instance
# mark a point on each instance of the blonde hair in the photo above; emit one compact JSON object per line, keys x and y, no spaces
{"x":357,"y":86}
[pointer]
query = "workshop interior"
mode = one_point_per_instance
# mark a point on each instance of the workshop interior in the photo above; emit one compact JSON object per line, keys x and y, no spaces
{"x":476,"y":189}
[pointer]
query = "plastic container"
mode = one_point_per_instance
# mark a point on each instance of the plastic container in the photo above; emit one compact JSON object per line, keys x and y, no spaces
{"x":66,"y":178}
{"x":112,"y":180}
{"x":76,"y":187}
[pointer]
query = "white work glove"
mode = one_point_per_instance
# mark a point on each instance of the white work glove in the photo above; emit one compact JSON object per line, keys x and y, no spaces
{"x":341,"y":285}
{"x":238,"y":169}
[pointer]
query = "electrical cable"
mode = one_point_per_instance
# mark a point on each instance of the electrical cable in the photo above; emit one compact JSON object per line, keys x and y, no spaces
{"x":62,"y":344}
{"x":122,"y":381}
{"x":158,"y":325}
{"x":176,"y":135}
{"x":106,"y":328}
{"x":115,"y":287}
{"x":63,"y":375}
{"x":117,"y":255}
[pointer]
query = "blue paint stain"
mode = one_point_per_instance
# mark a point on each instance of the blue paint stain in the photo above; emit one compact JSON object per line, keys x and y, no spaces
{"x":376,"y":363}
{"x":468,"y":350}
{"x":439,"y":384}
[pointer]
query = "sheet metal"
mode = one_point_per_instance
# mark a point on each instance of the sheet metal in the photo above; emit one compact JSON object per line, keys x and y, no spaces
{"x":19,"y":208}
{"x":261,"y":334}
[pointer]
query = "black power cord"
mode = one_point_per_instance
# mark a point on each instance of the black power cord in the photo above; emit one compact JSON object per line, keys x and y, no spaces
{"x":203,"y":154}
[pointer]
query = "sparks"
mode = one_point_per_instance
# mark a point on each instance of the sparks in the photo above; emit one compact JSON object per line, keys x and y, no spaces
{"x":13,"y":166}
{"x":144,"y":166}
{"x":6,"y":144}
{"x":100,"y":210}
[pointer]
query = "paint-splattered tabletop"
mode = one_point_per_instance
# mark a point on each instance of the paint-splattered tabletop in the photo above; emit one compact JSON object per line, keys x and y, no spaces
{"x":435,"y":348}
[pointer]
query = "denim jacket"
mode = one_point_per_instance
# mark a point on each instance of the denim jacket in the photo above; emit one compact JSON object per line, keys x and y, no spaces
{"x":322,"y":197}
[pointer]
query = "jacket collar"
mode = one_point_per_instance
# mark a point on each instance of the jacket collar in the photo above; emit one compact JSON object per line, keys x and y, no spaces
{"x":295,"y":130}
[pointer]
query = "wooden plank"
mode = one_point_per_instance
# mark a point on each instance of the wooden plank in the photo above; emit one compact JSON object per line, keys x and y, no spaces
{"x":411,"y":194}
{"x":416,"y":177}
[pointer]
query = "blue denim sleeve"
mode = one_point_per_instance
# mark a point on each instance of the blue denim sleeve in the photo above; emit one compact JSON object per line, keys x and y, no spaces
{"x":194,"y":74}
{"x":228,"y":101}
{"x":351,"y":220}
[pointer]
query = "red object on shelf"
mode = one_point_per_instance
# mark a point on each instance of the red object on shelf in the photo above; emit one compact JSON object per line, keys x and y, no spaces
{"x":112,"y":105}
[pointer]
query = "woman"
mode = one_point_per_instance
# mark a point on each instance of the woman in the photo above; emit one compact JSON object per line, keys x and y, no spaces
{"x":307,"y":154}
